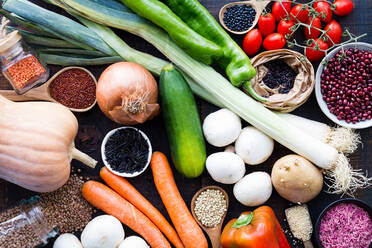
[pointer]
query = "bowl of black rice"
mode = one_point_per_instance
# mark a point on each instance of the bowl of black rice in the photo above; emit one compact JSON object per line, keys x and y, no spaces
{"x":126,"y":151}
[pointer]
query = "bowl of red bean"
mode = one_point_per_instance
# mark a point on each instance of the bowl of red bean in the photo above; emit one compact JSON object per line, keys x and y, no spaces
{"x":344,"y":85}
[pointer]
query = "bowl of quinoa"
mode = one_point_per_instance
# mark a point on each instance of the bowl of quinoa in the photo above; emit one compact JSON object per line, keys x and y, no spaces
{"x":346,"y":223}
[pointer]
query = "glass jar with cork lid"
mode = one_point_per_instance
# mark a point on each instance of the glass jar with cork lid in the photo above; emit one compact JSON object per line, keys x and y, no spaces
{"x":21,"y":67}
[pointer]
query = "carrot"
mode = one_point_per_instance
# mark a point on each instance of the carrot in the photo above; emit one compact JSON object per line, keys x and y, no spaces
{"x":189,"y":231}
{"x":128,"y":192}
{"x":104,"y":198}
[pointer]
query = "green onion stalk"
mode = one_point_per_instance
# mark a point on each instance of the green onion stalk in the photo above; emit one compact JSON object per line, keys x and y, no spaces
{"x":343,"y":179}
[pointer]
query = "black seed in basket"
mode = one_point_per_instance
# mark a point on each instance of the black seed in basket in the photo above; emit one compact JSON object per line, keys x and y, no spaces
{"x":127,"y":151}
{"x":239,"y":17}
{"x":279,"y":75}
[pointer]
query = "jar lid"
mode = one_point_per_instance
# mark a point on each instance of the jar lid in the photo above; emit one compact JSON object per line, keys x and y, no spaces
{"x":9,"y":41}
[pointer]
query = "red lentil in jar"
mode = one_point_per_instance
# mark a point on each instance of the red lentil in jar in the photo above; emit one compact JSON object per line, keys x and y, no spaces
{"x":22,"y":69}
{"x":25,"y":71}
{"x":74,"y":88}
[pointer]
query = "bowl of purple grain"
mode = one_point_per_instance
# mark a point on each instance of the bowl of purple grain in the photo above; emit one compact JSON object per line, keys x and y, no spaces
{"x":345,"y":223}
{"x":126,"y":151}
{"x":344,"y":85}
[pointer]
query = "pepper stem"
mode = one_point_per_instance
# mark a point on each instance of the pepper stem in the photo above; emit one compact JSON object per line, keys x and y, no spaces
{"x":243,"y":220}
{"x":248,"y":87}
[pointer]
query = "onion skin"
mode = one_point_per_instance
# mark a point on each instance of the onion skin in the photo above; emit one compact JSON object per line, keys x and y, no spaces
{"x":127,"y":93}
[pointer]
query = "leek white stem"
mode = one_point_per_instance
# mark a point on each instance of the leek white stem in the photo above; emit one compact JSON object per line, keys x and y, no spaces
{"x":343,"y":139}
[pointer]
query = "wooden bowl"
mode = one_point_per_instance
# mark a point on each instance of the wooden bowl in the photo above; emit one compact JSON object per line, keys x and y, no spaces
{"x":214,"y":233}
{"x":257,"y":5}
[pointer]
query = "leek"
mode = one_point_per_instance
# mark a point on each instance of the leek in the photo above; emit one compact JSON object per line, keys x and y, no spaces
{"x":33,"y":39}
{"x":343,"y":178}
{"x":25,"y":24}
{"x":72,"y":31}
{"x":57,"y":51}
{"x":148,"y":61}
{"x":343,"y":139}
{"x":65,"y":60}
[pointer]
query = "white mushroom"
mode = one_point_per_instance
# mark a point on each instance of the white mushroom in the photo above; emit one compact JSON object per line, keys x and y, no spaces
{"x":253,"y":146}
{"x":254,"y":189}
{"x":67,"y":240}
{"x":104,"y":231}
{"x":225,"y":167}
{"x":133,"y":242}
{"x":222,"y":127}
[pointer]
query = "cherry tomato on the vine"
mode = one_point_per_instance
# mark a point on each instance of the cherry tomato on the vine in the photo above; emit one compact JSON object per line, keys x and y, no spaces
{"x":274,"y":41}
{"x":284,"y":28}
{"x":334,"y":33}
{"x":252,"y":42}
{"x":312,"y":33}
{"x":343,"y":7}
{"x":311,"y":51}
{"x":300,"y":12}
{"x":279,"y":12}
{"x":324,"y":10}
{"x":266,"y":24}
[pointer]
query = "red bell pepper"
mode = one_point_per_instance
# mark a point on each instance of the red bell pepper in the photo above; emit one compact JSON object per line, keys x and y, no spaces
{"x":257,"y":229}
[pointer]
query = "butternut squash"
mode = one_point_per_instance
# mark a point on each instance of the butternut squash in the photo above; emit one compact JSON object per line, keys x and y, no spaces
{"x":37,"y":144}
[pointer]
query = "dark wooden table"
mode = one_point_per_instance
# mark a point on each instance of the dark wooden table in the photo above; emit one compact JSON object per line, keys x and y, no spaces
{"x":94,"y":125}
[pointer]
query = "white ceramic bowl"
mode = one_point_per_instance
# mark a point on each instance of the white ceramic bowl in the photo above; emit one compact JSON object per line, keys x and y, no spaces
{"x":319,"y":96}
{"x":109,"y":166}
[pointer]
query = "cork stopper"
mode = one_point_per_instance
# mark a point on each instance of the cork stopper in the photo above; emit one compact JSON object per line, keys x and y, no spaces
{"x":9,"y":40}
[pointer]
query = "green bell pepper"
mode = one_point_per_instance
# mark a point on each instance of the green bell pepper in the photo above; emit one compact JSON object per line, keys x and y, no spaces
{"x":190,"y":41}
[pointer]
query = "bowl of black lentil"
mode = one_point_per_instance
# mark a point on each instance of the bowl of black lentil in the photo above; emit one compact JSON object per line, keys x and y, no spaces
{"x":126,"y":151}
{"x":240,"y":17}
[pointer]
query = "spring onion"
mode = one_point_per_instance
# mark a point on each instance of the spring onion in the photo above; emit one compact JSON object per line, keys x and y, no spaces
{"x":343,"y":178}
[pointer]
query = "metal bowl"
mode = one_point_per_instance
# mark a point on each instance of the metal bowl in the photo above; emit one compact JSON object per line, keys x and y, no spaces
{"x":137,"y":173}
{"x":319,"y":96}
{"x":357,"y":202}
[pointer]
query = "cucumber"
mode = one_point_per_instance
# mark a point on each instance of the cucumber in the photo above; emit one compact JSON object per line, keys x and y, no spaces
{"x":182,"y":123}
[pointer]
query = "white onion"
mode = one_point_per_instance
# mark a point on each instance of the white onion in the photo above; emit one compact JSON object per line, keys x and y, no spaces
{"x":127,"y":93}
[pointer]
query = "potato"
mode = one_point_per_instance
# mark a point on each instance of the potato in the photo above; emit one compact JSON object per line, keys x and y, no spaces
{"x":296,"y":179}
